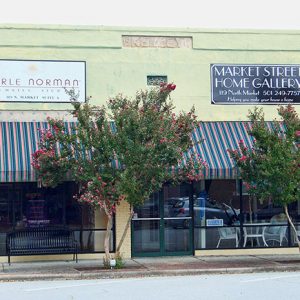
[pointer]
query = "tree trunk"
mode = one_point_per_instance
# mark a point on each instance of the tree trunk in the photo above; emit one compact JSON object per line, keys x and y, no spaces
{"x":107,"y":235}
{"x":125,"y":231}
{"x":251,"y":199}
{"x":292,"y":224}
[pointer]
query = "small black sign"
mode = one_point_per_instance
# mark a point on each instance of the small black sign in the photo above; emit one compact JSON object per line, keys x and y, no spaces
{"x":156,"y":79}
{"x":255,"y":84}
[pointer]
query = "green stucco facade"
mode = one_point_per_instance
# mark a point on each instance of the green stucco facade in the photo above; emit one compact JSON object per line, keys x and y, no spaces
{"x":112,"y":67}
{"x":119,"y":59}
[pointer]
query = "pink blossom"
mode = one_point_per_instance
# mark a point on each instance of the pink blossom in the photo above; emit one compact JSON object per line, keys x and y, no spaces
{"x":247,"y":185}
{"x":243,"y":158}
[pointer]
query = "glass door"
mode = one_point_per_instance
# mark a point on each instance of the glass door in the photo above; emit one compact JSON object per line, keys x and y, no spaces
{"x":163,"y":224}
{"x":146,"y":223}
{"x":177,"y":220}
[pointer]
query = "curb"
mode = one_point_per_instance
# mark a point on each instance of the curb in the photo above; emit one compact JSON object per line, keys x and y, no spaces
{"x":144,"y":273}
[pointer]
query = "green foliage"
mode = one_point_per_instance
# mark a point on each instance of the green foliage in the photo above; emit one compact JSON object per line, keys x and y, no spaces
{"x":271,"y":169}
{"x":148,"y":139}
{"x":120,"y":263}
{"x":85,"y":154}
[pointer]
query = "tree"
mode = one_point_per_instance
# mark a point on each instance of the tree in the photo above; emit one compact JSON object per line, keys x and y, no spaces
{"x":143,"y":148}
{"x":85,"y":155}
{"x":271,"y":168}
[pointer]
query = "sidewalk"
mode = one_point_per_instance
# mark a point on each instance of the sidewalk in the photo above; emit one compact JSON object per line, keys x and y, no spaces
{"x":142,"y":267}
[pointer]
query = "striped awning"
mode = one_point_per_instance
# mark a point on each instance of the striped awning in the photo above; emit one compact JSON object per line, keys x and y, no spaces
{"x":211,"y":142}
{"x":18,"y":140}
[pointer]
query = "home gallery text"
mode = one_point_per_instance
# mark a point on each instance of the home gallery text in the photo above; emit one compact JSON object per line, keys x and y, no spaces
{"x":255,"y":84}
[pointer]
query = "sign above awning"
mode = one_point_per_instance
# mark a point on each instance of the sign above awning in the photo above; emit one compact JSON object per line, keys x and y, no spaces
{"x":41,"y":80}
{"x":255,"y":84}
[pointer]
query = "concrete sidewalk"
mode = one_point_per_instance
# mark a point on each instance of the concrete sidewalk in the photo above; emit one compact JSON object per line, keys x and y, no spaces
{"x":141,"y":267}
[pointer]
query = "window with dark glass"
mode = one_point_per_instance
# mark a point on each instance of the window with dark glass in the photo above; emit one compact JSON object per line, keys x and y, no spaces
{"x":216,"y":214}
{"x":24,"y":205}
{"x":226,"y":218}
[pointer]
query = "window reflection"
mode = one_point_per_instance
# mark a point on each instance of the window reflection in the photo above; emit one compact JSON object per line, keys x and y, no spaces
{"x":6,"y":213}
{"x":150,"y":207}
{"x":146,"y":236}
{"x":24,"y":205}
{"x":210,"y":202}
{"x":219,"y":221}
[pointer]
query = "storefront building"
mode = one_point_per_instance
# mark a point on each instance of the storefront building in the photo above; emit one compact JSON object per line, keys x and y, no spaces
{"x":222,"y":73}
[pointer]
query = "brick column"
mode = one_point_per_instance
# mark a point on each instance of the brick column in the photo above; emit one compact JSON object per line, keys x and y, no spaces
{"x":122,"y":215}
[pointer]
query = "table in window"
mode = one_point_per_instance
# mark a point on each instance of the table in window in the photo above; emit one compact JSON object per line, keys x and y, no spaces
{"x":255,"y":231}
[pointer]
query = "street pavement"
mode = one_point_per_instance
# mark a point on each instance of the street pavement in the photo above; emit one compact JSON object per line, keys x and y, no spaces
{"x":275,"y":286}
{"x":149,"y":267}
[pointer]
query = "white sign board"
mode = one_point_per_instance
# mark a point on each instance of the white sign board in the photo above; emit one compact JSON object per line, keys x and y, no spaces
{"x":41,"y":81}
{"x":214,"y":222}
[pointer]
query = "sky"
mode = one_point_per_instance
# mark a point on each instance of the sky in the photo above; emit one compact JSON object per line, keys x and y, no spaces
{"x":222,"y":14}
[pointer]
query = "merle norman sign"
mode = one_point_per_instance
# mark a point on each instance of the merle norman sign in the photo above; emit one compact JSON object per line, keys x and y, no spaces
{"x":255,"y":84}
{"x":41,"y":81}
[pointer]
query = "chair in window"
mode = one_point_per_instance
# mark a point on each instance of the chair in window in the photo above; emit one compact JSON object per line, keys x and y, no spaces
{"x":228,"y":233}
{"x":276,"y":233}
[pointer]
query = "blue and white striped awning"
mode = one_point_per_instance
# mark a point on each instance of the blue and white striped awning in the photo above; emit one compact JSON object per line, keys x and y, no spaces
{"x":18,"y":140}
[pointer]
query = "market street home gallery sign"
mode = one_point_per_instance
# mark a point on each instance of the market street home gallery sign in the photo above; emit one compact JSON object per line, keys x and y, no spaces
{"x":41,"y":80}
{"x":255,"y":84}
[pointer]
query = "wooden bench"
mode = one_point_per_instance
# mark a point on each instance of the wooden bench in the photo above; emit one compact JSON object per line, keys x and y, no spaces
{"x":41,"y":241}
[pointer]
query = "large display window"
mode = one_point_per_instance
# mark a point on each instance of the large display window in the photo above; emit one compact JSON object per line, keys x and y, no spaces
{"x":226,"y":216}
{"x":25,"y":205}
{"x":223,"y":215}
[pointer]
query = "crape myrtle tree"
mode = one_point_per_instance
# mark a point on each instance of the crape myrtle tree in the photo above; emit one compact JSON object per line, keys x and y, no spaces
{"x":83,"y":154}
{"x":124,"y":150}
{"x":271,"y":169}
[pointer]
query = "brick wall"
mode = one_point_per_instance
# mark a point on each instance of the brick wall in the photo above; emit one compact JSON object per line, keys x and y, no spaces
{"x":122,"y":215}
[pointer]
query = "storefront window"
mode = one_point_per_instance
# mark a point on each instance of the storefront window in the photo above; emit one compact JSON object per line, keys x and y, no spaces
{"x":216,"y":214}
{"x":6,"y":213}
{"x":256,"y":211}
{"x":270,"y":226}
{"x":24,"y":205}
{"x":225,"y":219}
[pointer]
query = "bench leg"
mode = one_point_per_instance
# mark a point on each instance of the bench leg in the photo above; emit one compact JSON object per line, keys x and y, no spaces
{"x":75,"y":257}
